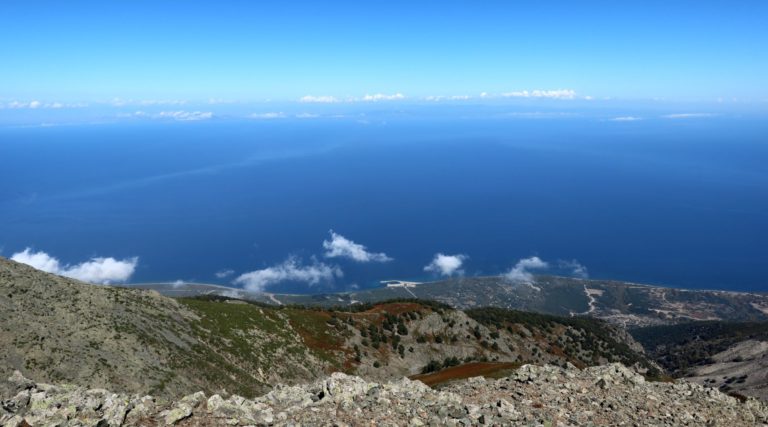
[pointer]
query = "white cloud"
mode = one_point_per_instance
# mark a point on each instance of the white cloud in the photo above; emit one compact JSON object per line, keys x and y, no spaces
{"x":21,"y":104}
{"x":319,"y":99}
{"x":178,"y":283}
{"x":290,"y":270}
{"x":96,"y":270}
{"x":438,"y":98}
{"x":446,"y":265}
{"x":39,"y":260}
{"x":327,"y":99}
{"x":221,"y":274}
{"x":268,"y":116}
{"x":520,"y":272}
{"x":626,"y":119}
{"x":517,"y":94}
{"x":552,"y":94}
{"x":576,"y":268}
{"x":38,"y":104}
{"x":184,"y":116}
{"x":103,"y":270}
{"x":688,"y":115}
{"x":307,"y":116}
{"x":340,"y":246}
{"x":140,"y":114}
{"x":382,"y":97}
{"x":556,"y":94}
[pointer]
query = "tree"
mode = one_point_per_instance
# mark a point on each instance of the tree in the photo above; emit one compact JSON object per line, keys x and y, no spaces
{"x":402,"y":329}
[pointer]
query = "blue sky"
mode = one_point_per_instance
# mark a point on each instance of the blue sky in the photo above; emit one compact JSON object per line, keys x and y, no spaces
{"x":80,"y":52}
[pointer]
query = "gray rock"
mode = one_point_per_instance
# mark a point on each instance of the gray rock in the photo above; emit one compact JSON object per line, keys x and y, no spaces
{"x":534,"y":395}
{"x":183,"y":409}
{"x":18,"y":381}
{"x":115,"y":409}
{"x":11,"y":421}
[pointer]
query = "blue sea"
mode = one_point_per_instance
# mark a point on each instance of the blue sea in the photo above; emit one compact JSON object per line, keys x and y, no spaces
{"x":678,"y":202}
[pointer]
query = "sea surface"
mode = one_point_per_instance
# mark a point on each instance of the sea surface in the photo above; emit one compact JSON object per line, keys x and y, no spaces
{"x":678,"y":202}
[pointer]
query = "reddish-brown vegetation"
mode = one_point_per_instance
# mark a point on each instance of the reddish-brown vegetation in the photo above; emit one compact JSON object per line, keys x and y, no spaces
{"x":467,"y":370}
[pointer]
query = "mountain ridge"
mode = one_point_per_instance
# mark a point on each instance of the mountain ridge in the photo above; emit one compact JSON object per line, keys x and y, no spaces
{"x":624,"y":303}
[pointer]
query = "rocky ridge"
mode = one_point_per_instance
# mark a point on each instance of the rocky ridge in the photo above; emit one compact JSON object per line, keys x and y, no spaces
{"x":532,"y":395}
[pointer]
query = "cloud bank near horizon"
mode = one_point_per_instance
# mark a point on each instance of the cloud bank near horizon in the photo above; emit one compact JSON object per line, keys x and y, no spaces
{"x":688,"y":116}
{"x":626,"y":119}
{"x":566,"y":94}
{"x":180,"y":115}
{"x":98,"y":270}
{"x":329,"y":99}
{"x":538,"y":93}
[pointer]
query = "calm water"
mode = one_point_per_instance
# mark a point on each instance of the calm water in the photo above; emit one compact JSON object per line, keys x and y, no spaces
{"x":676,"y":202}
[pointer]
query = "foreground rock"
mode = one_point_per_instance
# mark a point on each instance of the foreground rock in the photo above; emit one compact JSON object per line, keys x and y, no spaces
{"x":533,"y":395}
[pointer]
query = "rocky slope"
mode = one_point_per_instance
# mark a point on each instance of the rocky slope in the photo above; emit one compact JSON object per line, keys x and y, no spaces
{"x":533,"y":395}
{"x":54,"y":329}
{"x":57,"y":329}
{"x":742,"y":369}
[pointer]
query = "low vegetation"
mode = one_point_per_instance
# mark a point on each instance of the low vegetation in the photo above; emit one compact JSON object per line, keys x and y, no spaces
{"x":583,"y":341}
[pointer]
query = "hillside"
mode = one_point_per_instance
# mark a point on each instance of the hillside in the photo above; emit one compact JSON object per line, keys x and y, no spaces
{"x":136,"y":341}
{"x":622,"y":303}
{"x":728,"y":355}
